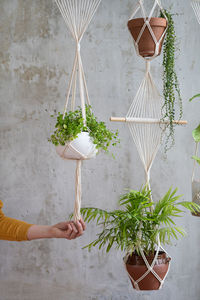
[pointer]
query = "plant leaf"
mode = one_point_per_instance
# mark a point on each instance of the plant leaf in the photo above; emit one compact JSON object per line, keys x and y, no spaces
{"x":195,"y":96}
{"x":196,"y":158}
{"x":196,"y":134}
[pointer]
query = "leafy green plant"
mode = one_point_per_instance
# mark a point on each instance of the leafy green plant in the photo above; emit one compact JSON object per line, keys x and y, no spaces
{"x":139,"y":221}
{"x":171,"y":88}
{"x":196,"y":158}
{"x":196,"y":133}
{"x":69,"y":126}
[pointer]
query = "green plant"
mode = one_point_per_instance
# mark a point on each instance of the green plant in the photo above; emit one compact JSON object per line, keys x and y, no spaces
{"x":171,"y":89}
{"x":72,"y":124}
{"x":139,"y":221}
{"x":196,"y":133}
{"x":194,"y":97}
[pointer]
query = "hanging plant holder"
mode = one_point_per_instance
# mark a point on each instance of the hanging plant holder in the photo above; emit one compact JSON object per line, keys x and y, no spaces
{"x":77,"y":15}
{"x":148,"y":32}
{"x":196,"y":7}
{"x":146,"y":45}
{"x":148,"y":273}
{"x":146,"y":124}
{"x":195,"y":183}
{"x":80,"y":148}
{"x":196,"y":195}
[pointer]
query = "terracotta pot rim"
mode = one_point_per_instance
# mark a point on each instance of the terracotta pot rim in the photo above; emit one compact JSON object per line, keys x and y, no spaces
{"x":138,"y":259}
{"x":138,"y":22}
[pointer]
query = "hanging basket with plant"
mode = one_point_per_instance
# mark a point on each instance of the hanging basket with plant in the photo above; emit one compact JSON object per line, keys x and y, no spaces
{"x":150,"y":34}
{"x":139,"y":227}
{"x":75,"y":140}
{"x":149,"y":31}
{"x":196,"y":158}
{"x":146,"y":42}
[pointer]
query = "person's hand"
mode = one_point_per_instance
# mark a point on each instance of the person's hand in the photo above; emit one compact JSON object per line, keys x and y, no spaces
{"x":68,"y":230}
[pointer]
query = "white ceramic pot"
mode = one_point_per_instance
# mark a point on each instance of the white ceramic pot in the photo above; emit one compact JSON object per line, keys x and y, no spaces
{"x":80,"y":148}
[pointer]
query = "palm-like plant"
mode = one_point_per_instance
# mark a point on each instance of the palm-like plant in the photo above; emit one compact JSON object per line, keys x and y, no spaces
{"x":137,"y":225}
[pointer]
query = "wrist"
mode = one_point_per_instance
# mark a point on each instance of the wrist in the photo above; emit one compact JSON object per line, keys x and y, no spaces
{"x":39,"y":232}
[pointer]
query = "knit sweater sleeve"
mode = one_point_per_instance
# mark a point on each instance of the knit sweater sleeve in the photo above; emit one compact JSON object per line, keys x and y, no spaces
{"x":11,"y":229}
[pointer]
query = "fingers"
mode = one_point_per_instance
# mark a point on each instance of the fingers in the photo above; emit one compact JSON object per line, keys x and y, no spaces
{"x":82,"y":223}
{"x":79,"y":228}
{"x":69,"y":230}
{"x":74,"y":231}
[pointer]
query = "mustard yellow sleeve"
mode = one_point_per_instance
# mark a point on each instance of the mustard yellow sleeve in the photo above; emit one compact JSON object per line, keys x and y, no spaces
{"x":11,"y":229}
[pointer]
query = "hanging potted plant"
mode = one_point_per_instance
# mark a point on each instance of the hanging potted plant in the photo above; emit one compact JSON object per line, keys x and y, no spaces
{"x":162,"y":30}
{"x":75,"y":140}
{"x":195,"y":182}
{"x":145,"y":42}
{"x":138,"y":228}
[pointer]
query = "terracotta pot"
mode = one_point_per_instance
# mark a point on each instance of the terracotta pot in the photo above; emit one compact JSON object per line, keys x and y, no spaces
{"x":136,"y":267}
{"x":196,"y":195}
{"x":146,"y":43}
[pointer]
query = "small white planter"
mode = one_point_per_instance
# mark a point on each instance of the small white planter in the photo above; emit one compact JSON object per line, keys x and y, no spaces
{"x":196,"y":194}
{"x":80,"y":148}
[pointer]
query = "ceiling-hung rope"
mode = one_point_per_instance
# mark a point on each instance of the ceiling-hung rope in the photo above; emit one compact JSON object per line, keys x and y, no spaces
{"x":146,"y":135}
{"x":144,"y":116}
{"x":77,"y":15}
{"x":196,"y":7}
{"x":196,"y":183}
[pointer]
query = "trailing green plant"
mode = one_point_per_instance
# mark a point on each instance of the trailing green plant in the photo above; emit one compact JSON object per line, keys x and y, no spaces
{"x":196,"y":132}
{"x":69,"y":126}
{"x":139,"y":221}
{"x":171,"y":88}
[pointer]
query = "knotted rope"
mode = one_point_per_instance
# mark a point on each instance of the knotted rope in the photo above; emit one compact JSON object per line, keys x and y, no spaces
{"x":77,"y":15}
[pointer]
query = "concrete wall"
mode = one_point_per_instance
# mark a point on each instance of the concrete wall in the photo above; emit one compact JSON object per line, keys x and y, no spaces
{"x":36,"y":52}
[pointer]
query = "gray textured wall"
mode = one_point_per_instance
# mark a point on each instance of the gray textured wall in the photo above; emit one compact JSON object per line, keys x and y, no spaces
{"x":36,"y":52}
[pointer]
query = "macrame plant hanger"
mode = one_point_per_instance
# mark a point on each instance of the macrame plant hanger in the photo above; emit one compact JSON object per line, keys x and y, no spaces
{"x":196,"y":183}
{"x":144,"y":119}
{"x":196,"y":7}
{"x":77,"y":15}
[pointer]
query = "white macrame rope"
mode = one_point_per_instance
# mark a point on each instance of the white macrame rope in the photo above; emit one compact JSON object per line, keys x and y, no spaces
{"x":77,"y":15}
{"x":146,"y":106}
{"x":147,"y":138}
{"x":196,"y":7}
{"x":72,"y":79}
{"x":147,"y":18}
{"x":150,"y":268}
{"x":195,"y":163}
{"x":77,"y":205}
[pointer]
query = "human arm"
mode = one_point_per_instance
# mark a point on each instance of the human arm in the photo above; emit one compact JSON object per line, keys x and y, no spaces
{"x":16,"y":230}
{"x":11,"y":229}
{"x":68,"y":230}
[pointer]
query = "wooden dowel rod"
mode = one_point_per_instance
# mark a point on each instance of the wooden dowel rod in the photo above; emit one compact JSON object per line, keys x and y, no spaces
{"x":146,"y":120}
